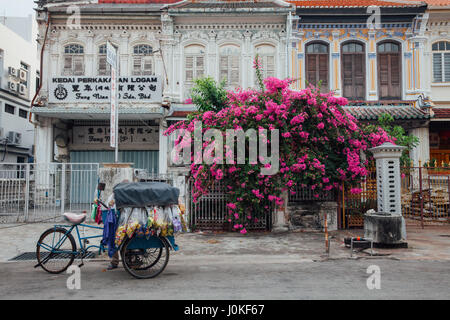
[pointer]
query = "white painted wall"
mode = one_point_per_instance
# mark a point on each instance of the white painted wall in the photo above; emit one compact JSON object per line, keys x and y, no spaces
{"x":16,"y":49}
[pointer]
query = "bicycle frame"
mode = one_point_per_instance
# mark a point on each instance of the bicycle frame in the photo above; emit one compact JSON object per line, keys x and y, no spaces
{"x":81,"y":239}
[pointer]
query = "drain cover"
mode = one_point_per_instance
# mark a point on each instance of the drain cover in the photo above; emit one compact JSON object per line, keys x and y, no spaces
{"x":31,"y":256}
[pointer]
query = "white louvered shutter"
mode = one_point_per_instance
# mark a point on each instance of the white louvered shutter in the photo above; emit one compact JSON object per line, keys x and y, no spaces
{"x":437,"y":67}
{"x":78,"y":65}
{"x":189,"y":69}
{"x":234,"y":71}
{"x":68,"y":65}
{"x":148,"y":66}
{"x":102,"y":66}
{"x":447,"y":67}
{"x":200,"y":67}
{"x":137,"y":66}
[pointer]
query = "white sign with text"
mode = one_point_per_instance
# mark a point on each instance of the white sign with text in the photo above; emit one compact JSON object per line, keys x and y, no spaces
{"x":98,"y":89}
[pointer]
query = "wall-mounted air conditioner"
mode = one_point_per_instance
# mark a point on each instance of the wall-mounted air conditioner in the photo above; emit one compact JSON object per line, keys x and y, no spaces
{"x":14,"y":138}
{"x":13,"y":86}
{"x":23,"y":75}
{"x":12,"y":72}
{"x":23,"y":90}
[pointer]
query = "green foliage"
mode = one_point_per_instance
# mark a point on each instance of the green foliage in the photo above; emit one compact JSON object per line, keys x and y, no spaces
{"x":208,"y":95}
{"x":385,"y":121}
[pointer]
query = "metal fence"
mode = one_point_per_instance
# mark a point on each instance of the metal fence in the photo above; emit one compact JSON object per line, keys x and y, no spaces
{"x":426,"y":193}
{"x":424,"y":197}
{"x":302,"y":193}
{"x":38,"y":192}
{"x":210,"y":211}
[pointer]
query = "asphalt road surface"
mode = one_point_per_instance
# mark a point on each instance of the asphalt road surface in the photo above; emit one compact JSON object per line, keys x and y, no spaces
{"x":233,"y":277}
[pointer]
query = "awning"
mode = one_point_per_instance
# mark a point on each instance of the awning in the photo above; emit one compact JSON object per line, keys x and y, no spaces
{"x":147,"y":112}
{"x":397,"y":112}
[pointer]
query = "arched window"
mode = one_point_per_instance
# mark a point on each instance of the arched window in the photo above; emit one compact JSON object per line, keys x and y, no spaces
{"x":441,"y":61}
{"x":143,"y":60}
{"x":266,"y":53}
{"x":229,"y":66}
{"x":194,"y":64}
{"x":73,"y":60}
{"x":353,"y":71}
{"x":317,"y":57}
{"x":389,"y":70}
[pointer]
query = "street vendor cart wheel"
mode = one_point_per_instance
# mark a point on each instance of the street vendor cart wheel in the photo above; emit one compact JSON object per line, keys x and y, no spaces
{"x":145,"y":263}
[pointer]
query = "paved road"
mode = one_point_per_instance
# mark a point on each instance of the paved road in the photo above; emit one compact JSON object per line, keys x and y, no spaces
{"x":237,"y":277}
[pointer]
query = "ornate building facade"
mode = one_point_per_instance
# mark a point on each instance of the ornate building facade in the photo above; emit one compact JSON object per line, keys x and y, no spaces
{"x":176,"y":42}
{"x":372,"y":56}
{"x":393,"y":60}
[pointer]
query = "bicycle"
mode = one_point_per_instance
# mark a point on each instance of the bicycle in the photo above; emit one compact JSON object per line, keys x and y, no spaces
{"x":56,"y":248}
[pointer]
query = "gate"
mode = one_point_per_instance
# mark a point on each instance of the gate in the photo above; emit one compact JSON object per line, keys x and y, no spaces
{"x":39,"y":192}
{"x":209,"y":212}
{"x":426,"y":193}
{"x":425,"y":196}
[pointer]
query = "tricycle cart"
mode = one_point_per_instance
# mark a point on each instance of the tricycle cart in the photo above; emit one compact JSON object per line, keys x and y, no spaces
{"x":143,"y":238}
{"x":145,"y":256}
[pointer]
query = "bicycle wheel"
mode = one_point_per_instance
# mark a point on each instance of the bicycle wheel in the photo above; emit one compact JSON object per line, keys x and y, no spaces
{"x":145,"y":263}
{"x":55,"y":250}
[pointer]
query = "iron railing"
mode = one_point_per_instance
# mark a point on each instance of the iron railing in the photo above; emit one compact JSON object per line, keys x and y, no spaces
{"x":37,"y":192}
{"x":210,"y":211}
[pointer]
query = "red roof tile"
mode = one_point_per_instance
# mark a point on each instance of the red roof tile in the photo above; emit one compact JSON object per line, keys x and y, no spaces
{"x":441,"y":113}
{"x":138,"y":1}
{"x":356,"y":3}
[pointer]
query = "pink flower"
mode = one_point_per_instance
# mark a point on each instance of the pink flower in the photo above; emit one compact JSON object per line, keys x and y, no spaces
{"x":231,"y":206}
{"x":320,"y":126}
{"x":356,"y":190}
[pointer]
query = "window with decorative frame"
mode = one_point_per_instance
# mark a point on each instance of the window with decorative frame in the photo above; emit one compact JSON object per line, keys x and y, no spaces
{"x":143,"y":64}
{"x":353,"y":70}
{"x":389,"y":70}
{"x":73,"y":60}
{"x":441,"y":61}
{"x":266,"y":53}
{"x":229,"y":66}
{"x":194,"y":65}
{"x":317,"y":64}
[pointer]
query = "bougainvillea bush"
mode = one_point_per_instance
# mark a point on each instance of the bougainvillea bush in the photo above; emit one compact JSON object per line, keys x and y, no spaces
{"x":320,"y":147}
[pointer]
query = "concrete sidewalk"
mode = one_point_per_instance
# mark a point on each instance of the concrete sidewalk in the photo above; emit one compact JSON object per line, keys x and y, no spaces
{"x":432,"y":243}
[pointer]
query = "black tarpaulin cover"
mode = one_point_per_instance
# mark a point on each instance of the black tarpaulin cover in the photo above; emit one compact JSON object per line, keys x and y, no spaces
{"x":145,"y":194}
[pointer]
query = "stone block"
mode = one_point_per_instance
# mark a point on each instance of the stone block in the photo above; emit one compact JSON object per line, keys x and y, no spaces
{"x":384,"y":228}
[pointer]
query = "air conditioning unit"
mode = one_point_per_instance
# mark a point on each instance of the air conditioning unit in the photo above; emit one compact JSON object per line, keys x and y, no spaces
{"x":14,"y":138}
{"x":23,"y":90}
{"x":13,"y":86}
{"x":12,"y":72}
{"x":23,"y":75}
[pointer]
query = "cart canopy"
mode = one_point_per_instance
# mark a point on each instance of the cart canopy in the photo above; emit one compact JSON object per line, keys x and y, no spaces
{"x":144,"y":194}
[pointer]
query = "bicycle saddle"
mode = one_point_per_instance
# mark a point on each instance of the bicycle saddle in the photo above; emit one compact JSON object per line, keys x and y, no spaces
{"x":74,"y":218}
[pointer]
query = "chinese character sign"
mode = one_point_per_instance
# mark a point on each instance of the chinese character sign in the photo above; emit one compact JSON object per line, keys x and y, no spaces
{"x":146,"y":89}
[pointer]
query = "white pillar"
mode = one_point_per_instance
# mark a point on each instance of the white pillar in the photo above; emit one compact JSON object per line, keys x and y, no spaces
{"x":163,"y":148}
{"x":388,"y":177}
{"x":422,"y":151}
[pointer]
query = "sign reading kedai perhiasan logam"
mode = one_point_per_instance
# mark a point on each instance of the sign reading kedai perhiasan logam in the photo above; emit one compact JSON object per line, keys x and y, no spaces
{"x":97,"y":89}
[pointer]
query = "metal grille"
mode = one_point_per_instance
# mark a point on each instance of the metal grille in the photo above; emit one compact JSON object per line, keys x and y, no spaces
{"x":426,"y":193}
{"x":31,"y":256}
{"x":307,"y":194}
{"x":210,"y":212}
{"x":38,"y":192}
